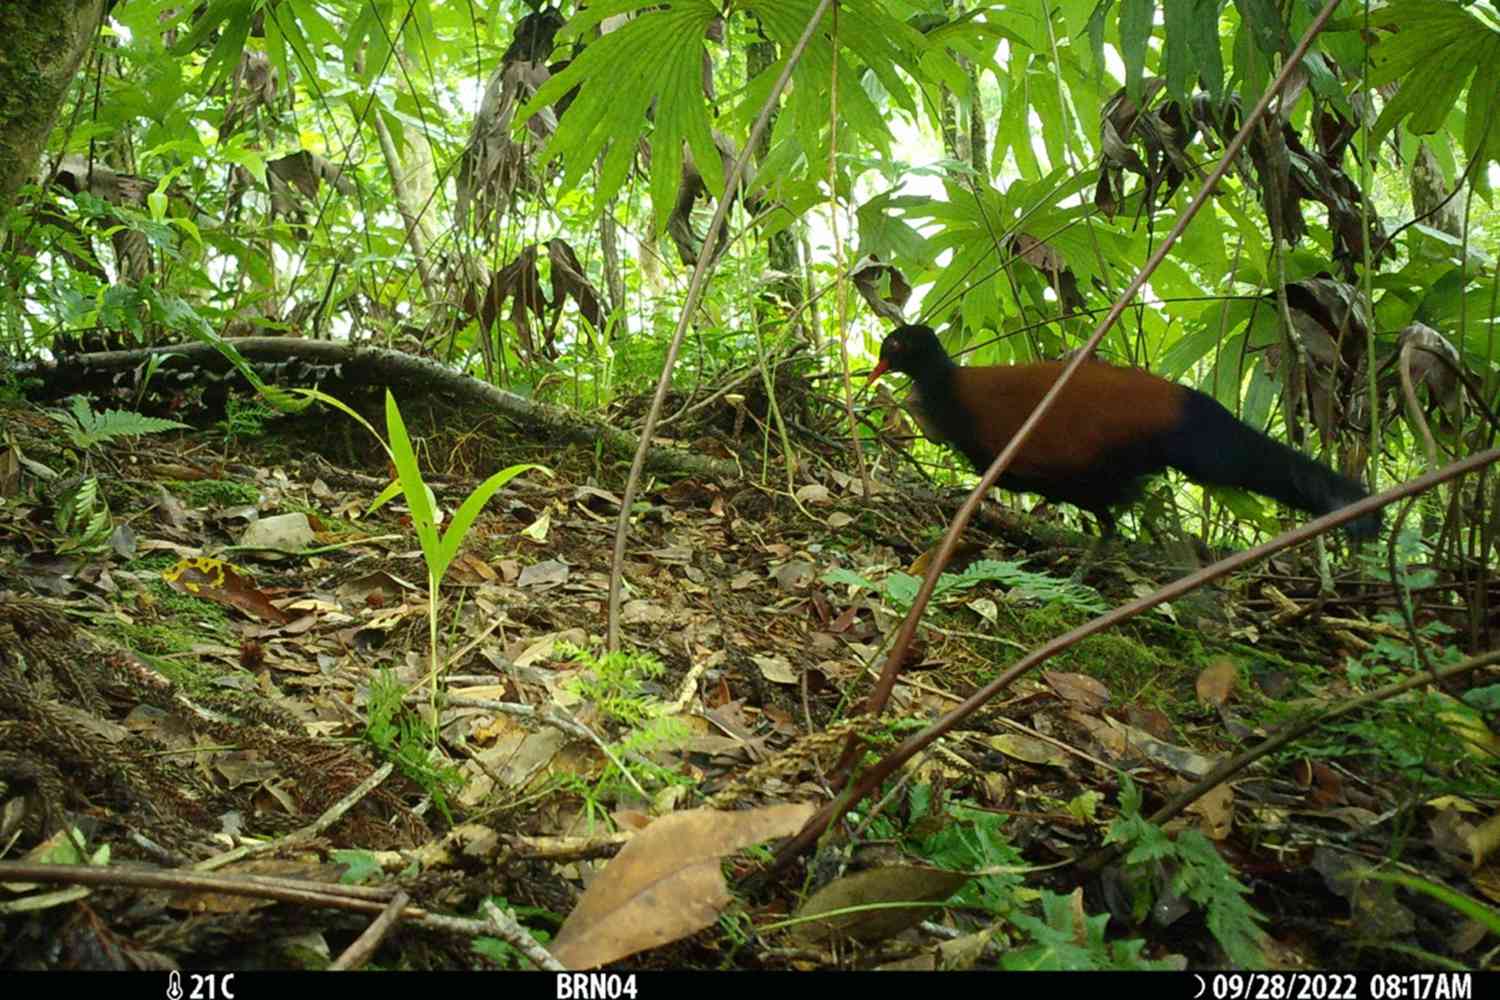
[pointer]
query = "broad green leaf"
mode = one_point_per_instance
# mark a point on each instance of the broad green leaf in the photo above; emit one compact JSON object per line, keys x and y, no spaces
{"x":235,"y":151}
{"x":1188,"y":350}
{"x":276,"y":44}
{"x":1203,"y":43}
{"x":1428,"y":92}
{"x":1263,"y":21}
{"x":1261,"y":397}
{"x":289,"y":18}
{"x":1136,"y":19}
{"x":472,"y":505}
{"x":234,"y":16}
{"x":1433,"y":47}
{"x":1179,"y":56}
{"x":392,"y":491}
{"x":1227,"y":373}
{"x":1017,"y":123}
{"x":655,"y":57}
{"x":314,"y":27}
{"x":1041,"y":88}
{"x":1481,"y":132}
{"x":413,"y":486}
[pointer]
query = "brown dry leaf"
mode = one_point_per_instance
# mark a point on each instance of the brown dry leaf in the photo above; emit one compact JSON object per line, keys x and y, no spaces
{"x":569,"y":282}
{"x":544,"y":575}
{"x":1216,"y":683}
{"x":1028,"y":749}
{"x":540,"y":648}
{"x":795,"y":575}
{"x":1110,"y":739}
{"x":1152,"y":720}
{"x":666,"y":883}
{"x":776,"y":669}
{"x":962,"y":953}
{"x":1080,"y":918}
{"x":10,"y":472}
{"x":470,"y":570}
{"x":922,"y":962}
{"x":218,"y":581}
{"x":630,"y":819}
{"x":963,"y":554}
{"x":681,"y":555}
{"x":882,"y":286}
{"x":1216,"y":811}
{"x":1175,"y":758}
{"x":489,"y":729}
{"x":1325,"y":785}
{"x":79,"y":718}
{"x":170,"y":511}
{"x":243,"y":767}
{"x":813,"y":493}
{"x":1353,"y":817}
{"x":522,"y":760}
{"x":845,"y":619}
{"x":986,"y":609}
{"x":283,"y":532}
{"x":876,"y":887}
{"x":1079,"y":690}
{"x":1377,"y":914}
{"x":1467,"y":936}
{"x":374,"y":590}
{"x":643,"y":612}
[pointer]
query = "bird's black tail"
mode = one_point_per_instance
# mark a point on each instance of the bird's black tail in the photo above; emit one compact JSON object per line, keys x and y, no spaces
{"x":1210,"y":445}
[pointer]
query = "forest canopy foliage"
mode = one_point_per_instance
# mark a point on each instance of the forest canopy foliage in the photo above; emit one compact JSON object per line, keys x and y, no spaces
{"x":522,"y":191}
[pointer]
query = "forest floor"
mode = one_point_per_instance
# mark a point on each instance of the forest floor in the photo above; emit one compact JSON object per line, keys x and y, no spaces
{"x":191,"y":702}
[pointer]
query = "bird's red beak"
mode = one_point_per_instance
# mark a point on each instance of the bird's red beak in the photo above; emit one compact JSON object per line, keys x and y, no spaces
{"x":881,"y":367}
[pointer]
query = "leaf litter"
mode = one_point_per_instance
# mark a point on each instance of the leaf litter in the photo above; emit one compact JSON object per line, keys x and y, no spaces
{"x":246,"y":707}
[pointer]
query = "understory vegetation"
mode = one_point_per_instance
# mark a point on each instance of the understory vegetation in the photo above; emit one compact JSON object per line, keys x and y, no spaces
{"x":445,"y":524}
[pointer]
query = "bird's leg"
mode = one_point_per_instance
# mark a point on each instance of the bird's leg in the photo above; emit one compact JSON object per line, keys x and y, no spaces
{"x":1108,"y":534}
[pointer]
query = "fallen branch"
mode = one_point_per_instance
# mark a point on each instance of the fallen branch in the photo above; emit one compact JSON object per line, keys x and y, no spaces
{"x":364,"y":947}
{"x":363,"y":366}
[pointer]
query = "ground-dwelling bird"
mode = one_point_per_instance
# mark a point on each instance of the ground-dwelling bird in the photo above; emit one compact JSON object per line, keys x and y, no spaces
{"x":1110,"y":429}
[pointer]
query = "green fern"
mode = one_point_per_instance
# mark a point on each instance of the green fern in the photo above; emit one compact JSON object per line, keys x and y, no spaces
{"x":1059,"y":945}
{"x":615,"y":682}
{"x":1199,"y":874}
{"x":83,"y":518}
{"x":409,"y":741}
{"x":85,"y":428}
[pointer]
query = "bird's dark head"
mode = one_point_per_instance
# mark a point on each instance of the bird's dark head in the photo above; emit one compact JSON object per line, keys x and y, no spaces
{"x":910,"y":349}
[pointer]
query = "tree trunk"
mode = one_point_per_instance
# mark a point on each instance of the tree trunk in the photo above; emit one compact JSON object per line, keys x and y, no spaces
{"x":45,"y":42}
